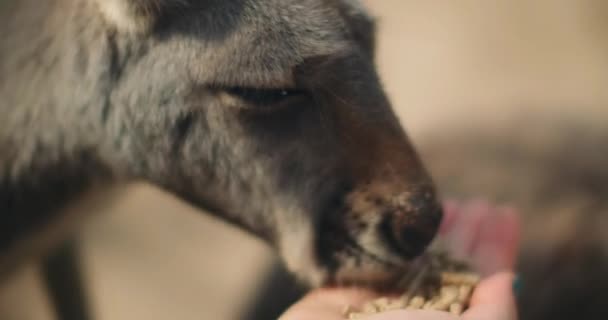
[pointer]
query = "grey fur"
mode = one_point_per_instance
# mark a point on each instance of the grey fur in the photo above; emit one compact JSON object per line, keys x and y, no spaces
{"x":189,"y":102}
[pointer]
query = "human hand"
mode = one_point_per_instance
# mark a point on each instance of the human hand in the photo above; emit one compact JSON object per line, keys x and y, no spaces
{"x":488,"y":235}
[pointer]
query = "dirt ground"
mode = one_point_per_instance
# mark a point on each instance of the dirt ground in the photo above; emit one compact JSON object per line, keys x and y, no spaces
{"x":152,"y":257}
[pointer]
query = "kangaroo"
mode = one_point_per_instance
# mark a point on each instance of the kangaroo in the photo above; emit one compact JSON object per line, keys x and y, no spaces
{"x":267,"y":113}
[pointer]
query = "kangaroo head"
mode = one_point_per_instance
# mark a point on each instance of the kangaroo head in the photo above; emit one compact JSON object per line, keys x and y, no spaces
{"x":270,"y":114}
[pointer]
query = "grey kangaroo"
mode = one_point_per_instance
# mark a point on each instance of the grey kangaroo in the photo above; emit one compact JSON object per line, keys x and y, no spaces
{"x":267,"y":113}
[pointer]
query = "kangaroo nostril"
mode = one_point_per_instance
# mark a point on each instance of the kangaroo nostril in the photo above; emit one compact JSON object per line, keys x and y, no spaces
{"x":409,"y":233}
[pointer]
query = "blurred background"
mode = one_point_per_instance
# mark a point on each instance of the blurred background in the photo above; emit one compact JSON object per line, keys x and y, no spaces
{"x":468,"y":62}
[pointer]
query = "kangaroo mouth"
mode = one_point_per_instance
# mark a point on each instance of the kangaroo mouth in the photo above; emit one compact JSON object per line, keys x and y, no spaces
{"x":352,"y":246}
{"x":350,"y":263}
{"x":371,"y":269}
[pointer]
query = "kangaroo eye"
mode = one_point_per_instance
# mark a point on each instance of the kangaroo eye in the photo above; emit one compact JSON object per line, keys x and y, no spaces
{"x":263,"y":97}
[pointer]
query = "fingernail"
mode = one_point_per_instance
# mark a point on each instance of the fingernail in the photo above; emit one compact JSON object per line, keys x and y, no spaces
{"x":517,"y":285}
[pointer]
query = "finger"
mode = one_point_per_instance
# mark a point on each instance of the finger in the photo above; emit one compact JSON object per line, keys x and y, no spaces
{"x":493,"y":299}
{"x":464,"y":229}
{"x":451,"y":210}
{"x":497,"y":241}
{"x":512,"y":221}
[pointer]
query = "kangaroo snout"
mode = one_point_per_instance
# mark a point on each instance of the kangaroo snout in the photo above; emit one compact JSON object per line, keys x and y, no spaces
{"x":381,"y":228}
{"x":402,"y":223}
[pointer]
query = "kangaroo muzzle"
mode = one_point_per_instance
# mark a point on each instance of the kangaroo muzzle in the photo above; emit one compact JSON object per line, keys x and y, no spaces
{"x":376,"y":234}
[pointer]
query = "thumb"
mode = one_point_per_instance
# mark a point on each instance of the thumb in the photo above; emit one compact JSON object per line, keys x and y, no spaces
{"x":493,"y":299}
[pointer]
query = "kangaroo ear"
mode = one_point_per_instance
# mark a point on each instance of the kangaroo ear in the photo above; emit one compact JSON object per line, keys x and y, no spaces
{"x":135,"y":16}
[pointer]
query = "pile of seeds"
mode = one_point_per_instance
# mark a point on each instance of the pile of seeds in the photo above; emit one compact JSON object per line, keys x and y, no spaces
{"x":442,"y":285}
